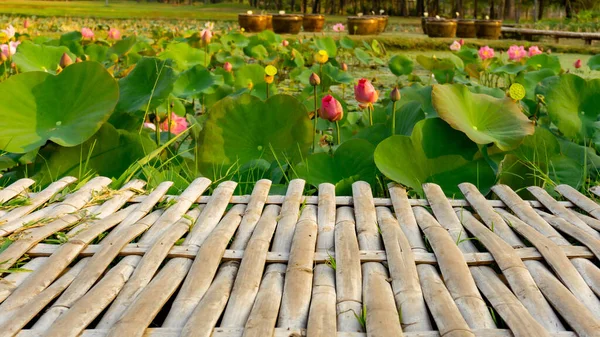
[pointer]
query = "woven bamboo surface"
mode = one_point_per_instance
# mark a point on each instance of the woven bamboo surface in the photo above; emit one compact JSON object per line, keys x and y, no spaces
{"x":97,"y":262}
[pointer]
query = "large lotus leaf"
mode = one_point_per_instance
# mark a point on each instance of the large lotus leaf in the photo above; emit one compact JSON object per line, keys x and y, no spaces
{"x":72,"y":40}
{"x":417,"y":92}
{"x":352,"y":161}
{"x":96,"y":52}
{"x":243,"y":128}
{"x":195,"y":81}
{"x":249,"y":76}
{"x":435,"y":153}
{"x":67,"y":108}
{"x":545,"y":61}
{"x":401,"y":65}
{"x":594,"y":62}
{"x":185,"y":56}
{"x":337,"y":75}
{"x":573,"y":104}
{"x":123,"y":46}
{"x":328,"y":44}
{"x":510,"y":68}
{"x":407,"y":117}
{"x":33,"y":57}
{"x":146,"y":86}
{"x":485,"y":119}
{"x":531,"y":79}
{"x":109,"y":152}
{"x":363,"y":56}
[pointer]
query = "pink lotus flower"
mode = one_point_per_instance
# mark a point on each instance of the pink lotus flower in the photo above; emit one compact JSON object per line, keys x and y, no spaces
{"x":331,"y":109}
{"x":462,"y":42}
{"x":577,"y":64}
{"x":114,"y":34}
{"x":516,"y":53}
{"x":150,"y":126}
{"x":338,"y":27}
{"x":26,"y":24}
{"x":9,"y":31}
{"x":178,"y":124}
{"x":87,"y":33}
{"x":228,"y":67}
{"x":455,"y":46}
{"x":364,"y":92}
{"x":206,"y":36}
{"x":8,"y":50}
{"x":285,"y":43}
{"x":534,"y":50}
{"x":486,"y":53}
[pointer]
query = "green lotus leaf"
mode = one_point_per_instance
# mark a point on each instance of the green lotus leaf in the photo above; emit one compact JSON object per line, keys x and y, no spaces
{"x":435,"y":153}
{"x":123,"y":46}
{"x":258,"y":52}
{"x":417,"y":92}
{"x":401,"y":65}
{"x":510,"y":68}
{"x":573,"y":104}
{"x":531,"y":79}
{"x":195,"y":81}
{"x":67,"y":108}
{"x":347,"y":43}
{"x":327,"y":44}
{"x":594,"y":62}
{"x":243,"y":128}
{"x":407,"y":116}
{"x":96,"y":52}
{"x":109,"y":152}
{"x":185,"y":56}
{"x":544,"y":61}
{"x":352,"y":161}
{"x":485,"y":119}
{"x":33,"y":57}
{"x":146,"y":86}
{"x":250,"y":74}
{"x":72,"y":40}
{"x":363,"y":56}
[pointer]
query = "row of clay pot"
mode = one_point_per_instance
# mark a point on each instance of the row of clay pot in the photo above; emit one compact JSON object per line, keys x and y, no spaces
{"x":292,"y":23}
{"x":483,"y":29}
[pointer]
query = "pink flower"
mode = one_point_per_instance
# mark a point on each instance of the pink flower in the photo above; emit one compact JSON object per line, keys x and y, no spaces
{"x":486,"y":53}
{"x":364,"y":92}
{"x":516,"y":53}
{"x":285,"y":43}
{"x":114,"y":34}
{"x":87,"y":33}
{"x":206,"y":36}
{"x":178,"y":124}
{"x":227,"y":66}
{"x":150,"y":126}
{"x":9,"y":31}
{"x":26,"y":24}
{"x":8,"y":50}
{"x":455,"y":46}
{"x":462,"y":42}
{"x":534,"y":50}
{"x":331,"y":109}
{"x":338,"y":27}
{"x":577,"y":64}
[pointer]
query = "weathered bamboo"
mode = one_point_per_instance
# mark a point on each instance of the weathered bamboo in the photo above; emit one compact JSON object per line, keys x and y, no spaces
{"x":489,"y":216}
{"x":403,"y":271}
{"x":290,"y":209}
{"x":580,"y":200}
{"x":348,"y":279}
{"x":254,"y":210}
{"x":590,"y":273}
{"x":579,"y":317}
{"x":559,"y":263}
{"x":326,"y":218}
{"x":297,"y":289}
{"x":455,"y":270}
{"x":382,"y":317}
{"x":14,"y":320}
{"x":251,"y":270}
{"x":561,"y":211}
{"x":63,"y":212}
{"x":34,"y":203}
{"x":516,"y":316}
{"x":592,"y":222}
{"x":576,"y":232}
{"x":13,"y":280}
{"x":18,"y":187}
{"x":406,"y":218}
{"x":515,"y":271}
{"x":366,"y":217}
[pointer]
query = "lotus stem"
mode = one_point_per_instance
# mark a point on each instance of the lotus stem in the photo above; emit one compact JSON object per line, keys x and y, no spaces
{"x":339,"y":137}
{"x":315,"y":121}
{"x":393,"y":118}
{"x":370,"y":109}
{"x":157,"y":129}
{"x":267,"y":90}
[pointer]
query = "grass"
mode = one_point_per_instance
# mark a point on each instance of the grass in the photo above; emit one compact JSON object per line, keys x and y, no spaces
{"x":131,"y":10}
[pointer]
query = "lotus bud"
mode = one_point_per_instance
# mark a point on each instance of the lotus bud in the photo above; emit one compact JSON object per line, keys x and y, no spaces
{"x":314,"y":79}
{"x":78,"y":60}
{"x":344,"y":67}
{"x":395,"y":95}
{"x":331,"y":109}
{"x":269,"y":79}
{"x":228,"y":67}
{"x":3,"y":57}
{"x":206,"y":36}
{"x":577,"y":64}
{"x":285,"y":43}
{"x":26,"y":24}
{"x":65,"y":60}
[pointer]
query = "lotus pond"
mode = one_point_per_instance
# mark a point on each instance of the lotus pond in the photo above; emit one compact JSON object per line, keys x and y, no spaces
{"x":174,"y":104}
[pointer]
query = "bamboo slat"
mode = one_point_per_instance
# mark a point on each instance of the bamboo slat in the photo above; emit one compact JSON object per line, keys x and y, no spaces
{"x":18,"y":187}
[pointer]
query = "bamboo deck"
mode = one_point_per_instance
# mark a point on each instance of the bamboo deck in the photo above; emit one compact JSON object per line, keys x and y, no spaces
{"x":96,"y":262}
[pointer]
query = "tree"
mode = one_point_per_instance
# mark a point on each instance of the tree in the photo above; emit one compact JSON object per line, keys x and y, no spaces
{"x":509,"y":9}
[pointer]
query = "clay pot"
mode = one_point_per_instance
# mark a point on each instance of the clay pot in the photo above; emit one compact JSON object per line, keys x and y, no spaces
{"x":287,"y":23}
{"x":313,"y":22}
{"x":424,"y":24}
{"x":466,"y":29}
{"x":269,"y":21}
{"x":441,"y":28}
{"x":383,"y":22}
{"x":253,"y":23}
{"x":489,"y":29}
{"x":363,"y":25}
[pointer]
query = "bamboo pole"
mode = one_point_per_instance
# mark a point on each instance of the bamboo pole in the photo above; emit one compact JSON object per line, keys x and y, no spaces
{"x":297,"y":289}
{"x":580,"y":200}
{"x":13,"y":280}
{"x":18,"y":187}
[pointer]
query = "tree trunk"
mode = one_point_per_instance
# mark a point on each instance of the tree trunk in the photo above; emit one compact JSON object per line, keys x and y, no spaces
{"x":509,"y":9}
{"x":492,"y":9}
{"x":475,"y":9}
{"x":434,"y":7}
{"x":517,"y":11}
{"x":315,"y":8}
{"x":342,"y":8}
{"x":404,"y":8}
{"x":540,"y":13}
{"x":536,"y":8}
{"x":568,"y":9}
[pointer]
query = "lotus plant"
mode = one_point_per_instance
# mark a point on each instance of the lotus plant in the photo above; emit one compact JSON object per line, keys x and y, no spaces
{"x":174,"y":124}
{"x":87,"y":33}
{"x":9,"y":32}
{"x":314,"y":80}
{"x":394,"y":97}
{"x":331,"y":110}
{"x":228,"y":67}
{"x":455,"y":46}
{"x":516,"y":53}
{"x":114,"y":34}
{"x":486,"y":53}
{"x":534,"y":50}
{"x":365,"y":93}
